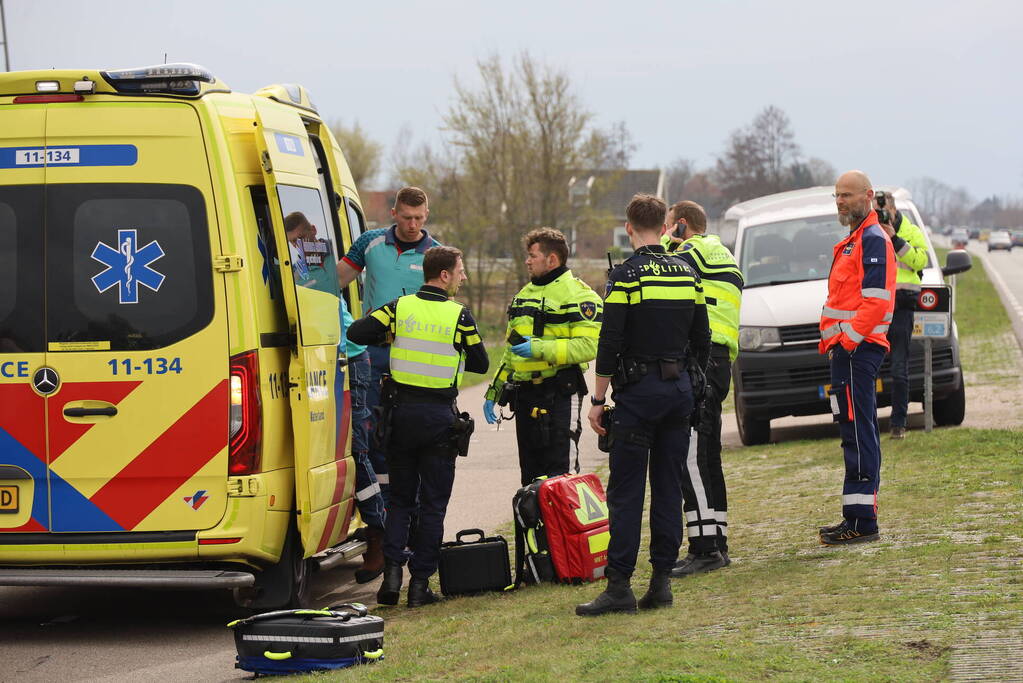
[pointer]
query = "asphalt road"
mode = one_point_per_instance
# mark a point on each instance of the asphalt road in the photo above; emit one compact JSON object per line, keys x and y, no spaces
{"x":49,"y":634}
{"x":1006,"y":269}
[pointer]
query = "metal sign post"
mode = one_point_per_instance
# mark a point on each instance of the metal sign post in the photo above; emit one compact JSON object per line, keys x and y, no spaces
{"x":932,"y":320}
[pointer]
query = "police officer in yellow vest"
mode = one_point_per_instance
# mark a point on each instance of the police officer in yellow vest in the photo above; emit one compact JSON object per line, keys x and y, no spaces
{"x":553,"y":326}
{"x":703,"y":483}
{"x":433,"y":340}
{"x":911,"y":254}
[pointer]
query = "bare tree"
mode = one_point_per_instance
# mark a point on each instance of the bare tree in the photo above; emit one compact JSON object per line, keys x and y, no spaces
{"x":675,"y":178}
{"x":514,"y":142}
{"x":759,"y":159}
{"x":942,"y":204}
{"x":363,"y":154}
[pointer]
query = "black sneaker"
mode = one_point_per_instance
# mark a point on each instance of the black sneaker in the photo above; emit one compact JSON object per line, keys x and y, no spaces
{"x":833,"y":528}
{"x":898,"y":433}
{"x":846,"y":536}
{"x":698,"y":564}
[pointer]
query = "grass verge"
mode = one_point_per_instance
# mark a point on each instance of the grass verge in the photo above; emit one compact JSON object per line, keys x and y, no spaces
{"x":787,"y":609}
{"x":988,"y":348}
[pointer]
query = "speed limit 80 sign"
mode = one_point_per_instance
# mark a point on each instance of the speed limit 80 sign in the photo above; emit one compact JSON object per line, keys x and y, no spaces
{"x":933,"y":317}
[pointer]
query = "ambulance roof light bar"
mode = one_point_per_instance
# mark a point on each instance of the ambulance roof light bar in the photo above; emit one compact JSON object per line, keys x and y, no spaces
{"x":179,"y":79}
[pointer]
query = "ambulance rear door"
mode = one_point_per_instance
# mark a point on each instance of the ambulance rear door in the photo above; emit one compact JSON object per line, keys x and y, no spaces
{"x":24,"y":495}
{"x":308,"y":272}
{"x":136,"y":330}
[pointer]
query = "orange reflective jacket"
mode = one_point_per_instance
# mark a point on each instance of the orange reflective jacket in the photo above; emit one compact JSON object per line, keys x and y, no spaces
{"x":861,"y":289}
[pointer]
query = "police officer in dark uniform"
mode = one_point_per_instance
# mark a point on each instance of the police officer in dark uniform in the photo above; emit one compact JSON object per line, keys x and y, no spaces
{"x":433,"y":340}
{"x":655,"y":327}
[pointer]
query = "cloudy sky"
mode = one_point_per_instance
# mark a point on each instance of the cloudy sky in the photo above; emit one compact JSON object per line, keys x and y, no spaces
{"x":901,"y":89}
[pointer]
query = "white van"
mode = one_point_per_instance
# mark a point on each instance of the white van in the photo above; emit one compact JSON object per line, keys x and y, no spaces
{"x":783,"y":245}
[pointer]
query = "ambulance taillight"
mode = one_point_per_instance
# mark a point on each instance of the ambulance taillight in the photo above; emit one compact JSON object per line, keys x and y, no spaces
{"x":246,"y":415}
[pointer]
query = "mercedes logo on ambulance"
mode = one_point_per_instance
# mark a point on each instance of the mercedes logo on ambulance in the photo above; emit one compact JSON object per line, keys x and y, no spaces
{"x":45,"y":381}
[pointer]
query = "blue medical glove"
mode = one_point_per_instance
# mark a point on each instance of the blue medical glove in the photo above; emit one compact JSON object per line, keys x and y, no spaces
{"x":488,"y":412}
{"x":524,"y":349}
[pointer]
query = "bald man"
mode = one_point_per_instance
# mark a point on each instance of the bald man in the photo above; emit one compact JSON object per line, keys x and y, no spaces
{"x":854,"y":334}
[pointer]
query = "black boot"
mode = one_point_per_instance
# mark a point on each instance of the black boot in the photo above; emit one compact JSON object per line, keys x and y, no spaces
{"x":419,"y":593}
{"x":617,"y":597}
{"x":700,"y":563}
{"x":391,"y":585}
{"x":659,"y":592}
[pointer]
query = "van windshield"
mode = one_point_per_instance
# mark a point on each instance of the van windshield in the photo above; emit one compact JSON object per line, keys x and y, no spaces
{"x":790,"y":251}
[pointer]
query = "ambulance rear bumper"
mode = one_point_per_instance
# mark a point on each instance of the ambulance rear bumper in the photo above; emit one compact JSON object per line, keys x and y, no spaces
{"x":126,"y":578}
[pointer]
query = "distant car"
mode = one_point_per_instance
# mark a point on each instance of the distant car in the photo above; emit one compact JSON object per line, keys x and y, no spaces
{"x":974,"y":233}
{"x":999,"y":239}
{"x":1017,"y":238}
{"x":959,"y":238}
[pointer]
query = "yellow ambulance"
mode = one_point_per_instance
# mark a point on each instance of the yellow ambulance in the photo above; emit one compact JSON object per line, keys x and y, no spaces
{"x":173,"y":403}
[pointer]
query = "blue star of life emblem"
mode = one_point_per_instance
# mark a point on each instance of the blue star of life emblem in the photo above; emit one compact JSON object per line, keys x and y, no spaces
{"x":127,"y":266}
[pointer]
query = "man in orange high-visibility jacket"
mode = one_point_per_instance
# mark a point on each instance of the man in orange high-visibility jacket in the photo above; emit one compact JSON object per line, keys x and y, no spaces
{"x":854,"y":327}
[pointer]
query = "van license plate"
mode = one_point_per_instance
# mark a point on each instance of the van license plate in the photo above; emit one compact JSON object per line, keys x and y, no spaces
{"x":822,"y":390}
{"x":8,"y":499}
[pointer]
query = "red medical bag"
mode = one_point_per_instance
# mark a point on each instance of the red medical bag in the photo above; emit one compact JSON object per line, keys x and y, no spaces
{"x":568,"y":531}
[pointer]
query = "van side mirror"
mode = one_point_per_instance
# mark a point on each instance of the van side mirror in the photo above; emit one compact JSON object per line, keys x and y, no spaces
{"x":957,"y":261}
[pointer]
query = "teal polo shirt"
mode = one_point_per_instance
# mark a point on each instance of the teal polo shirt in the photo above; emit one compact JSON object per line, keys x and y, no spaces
{"x":390,"y":272}
{"x":351,"y":348}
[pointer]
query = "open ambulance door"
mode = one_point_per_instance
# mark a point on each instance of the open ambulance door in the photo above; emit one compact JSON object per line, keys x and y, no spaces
{"x":323,"y":492}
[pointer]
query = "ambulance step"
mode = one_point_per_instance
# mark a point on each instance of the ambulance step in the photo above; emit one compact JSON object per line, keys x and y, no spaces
{"x":331,"y":557}
{"x":129,"y":578}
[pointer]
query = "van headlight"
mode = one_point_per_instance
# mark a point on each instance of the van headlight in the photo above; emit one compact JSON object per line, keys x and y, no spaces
{"x":758,"y":338}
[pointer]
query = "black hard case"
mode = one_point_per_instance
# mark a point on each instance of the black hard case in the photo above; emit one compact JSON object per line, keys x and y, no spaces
{"x":468,"y":567}
{"x":342,"y":632}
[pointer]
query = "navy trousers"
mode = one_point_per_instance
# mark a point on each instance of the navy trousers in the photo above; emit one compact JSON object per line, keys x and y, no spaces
{"x":422,"y":474}
{"x":854,"y":400}
{"x":380,"y":365}
{"x":900,"y":333}
{"x":544,"y":441}
{"x":650,"y":426}
{"x":367,"y":490}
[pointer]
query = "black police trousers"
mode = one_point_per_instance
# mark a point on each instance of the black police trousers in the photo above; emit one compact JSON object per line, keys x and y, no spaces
{"x":544,"y":438}
{"x":703,"y":481}
{"x":422,"y":473}
{"x":650,"y":425}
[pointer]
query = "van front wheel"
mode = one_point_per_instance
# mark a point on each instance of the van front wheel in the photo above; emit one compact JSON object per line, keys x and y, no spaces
{"x":285,"y":585}
{"x":752,"y":431}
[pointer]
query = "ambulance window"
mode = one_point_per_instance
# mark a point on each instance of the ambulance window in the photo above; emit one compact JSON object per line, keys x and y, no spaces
{"x":21,"y":269}
{"x":310,"y":238}
{"x":128,"y":264}
{"x":267,"y":246}
{"x":356,"y":224}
